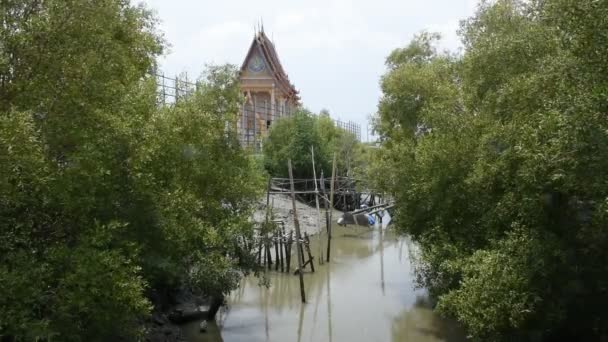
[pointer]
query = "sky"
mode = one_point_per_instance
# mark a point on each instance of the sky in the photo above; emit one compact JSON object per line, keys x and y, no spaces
{"x":332,"y":50}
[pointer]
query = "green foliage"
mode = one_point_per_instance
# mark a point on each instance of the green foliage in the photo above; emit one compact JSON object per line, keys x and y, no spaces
{"x":292,"y":138}
{"x":103,"y":195}
{"x":495,"y":158}
{"x":189,"y":162}
{"x":502,"y":280}
{"x":59,"y":279}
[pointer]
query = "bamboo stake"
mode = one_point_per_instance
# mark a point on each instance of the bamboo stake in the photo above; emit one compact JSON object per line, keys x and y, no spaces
{"x":314,"y":172}
{"x":331,"y":205}
{"x":312,"y":266}
{"x":268,"y":253}
{"x":296,"y":223}
{"x":325,"y":205}
{"x":302,"y":243}
{"x":288,"y":250}
{"x":281,"y":245}
{"x":276,"y":251}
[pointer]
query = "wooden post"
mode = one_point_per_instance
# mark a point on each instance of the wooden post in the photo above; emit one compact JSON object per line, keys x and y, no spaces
{"x":301,"y":248}
{"x":276,"y":251}
{"x":268,"y":254}
{"x":281,"y":245}
{"x":355,"y":205}
{"x":312,"y":266}
{"x":288,"y":250}
{"x":296,"y":223}
{"x":331,"y":207}
{"x":326,"y":205}
{"x":314,"y":173}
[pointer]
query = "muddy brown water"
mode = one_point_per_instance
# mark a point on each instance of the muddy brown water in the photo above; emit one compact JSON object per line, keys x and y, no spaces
{"x":366,"y":293}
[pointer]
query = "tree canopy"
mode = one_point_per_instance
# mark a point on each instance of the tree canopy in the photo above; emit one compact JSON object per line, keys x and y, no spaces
{"x":496,"y":159}
{"x":292,"y":138}
{"x":105,"y":197}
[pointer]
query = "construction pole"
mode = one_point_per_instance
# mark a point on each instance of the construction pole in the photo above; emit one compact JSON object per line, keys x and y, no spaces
{"x":314,"y":173}
{"x":296,"y":224}
{"x":255,"y":130}
{"x":331,"y":205}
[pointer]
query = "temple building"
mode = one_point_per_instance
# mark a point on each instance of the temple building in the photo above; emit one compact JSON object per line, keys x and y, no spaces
{"x":268,"y":92}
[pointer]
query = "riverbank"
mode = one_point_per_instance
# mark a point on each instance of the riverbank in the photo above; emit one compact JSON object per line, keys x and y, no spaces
{"x":173,"y":310}
{"x":159,"y":328}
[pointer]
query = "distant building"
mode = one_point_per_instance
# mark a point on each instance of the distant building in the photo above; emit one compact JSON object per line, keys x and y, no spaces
{"x":268,"y":92}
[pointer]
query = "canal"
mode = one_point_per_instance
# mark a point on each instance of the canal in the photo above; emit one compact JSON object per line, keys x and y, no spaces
{"x":366,"y":293}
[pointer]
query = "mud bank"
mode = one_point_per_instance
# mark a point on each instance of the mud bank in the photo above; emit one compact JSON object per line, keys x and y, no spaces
{"x":282,"y":208}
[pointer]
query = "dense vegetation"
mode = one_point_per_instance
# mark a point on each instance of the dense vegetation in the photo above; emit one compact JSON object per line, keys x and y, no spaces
{"x":106,"y":199}
{"x":497,"y":158}
{"x":292,"y":138}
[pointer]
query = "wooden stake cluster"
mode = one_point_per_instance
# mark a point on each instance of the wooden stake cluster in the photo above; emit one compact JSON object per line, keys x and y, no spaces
{"x":282,"y":243}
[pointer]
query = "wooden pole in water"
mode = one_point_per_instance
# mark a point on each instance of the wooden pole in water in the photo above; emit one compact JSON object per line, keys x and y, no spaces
{"x":276,"y":250}
{"x":302,"y":253}
{"x":269,"y":253}
{"x":281,"y":244}
{"x":314,"y":173}
{"x":331,"y":205}
{"x":288,"y":250}
{"x":312,"y":266}
{"x":325,"y":205}
{"x":296,"y":224}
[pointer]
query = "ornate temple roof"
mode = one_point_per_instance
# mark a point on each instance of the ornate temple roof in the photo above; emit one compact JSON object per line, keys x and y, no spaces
{"x":265,"y":47}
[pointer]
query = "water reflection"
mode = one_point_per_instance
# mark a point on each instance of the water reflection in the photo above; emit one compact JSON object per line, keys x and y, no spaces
{"x":421,"y":323}
{"x":365,"y":294}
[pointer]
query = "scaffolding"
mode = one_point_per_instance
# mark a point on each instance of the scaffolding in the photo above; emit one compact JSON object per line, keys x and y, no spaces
{"x":256,"y":116}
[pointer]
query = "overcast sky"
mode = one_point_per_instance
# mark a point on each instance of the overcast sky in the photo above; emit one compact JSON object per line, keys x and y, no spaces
{"x":333,"y":50}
